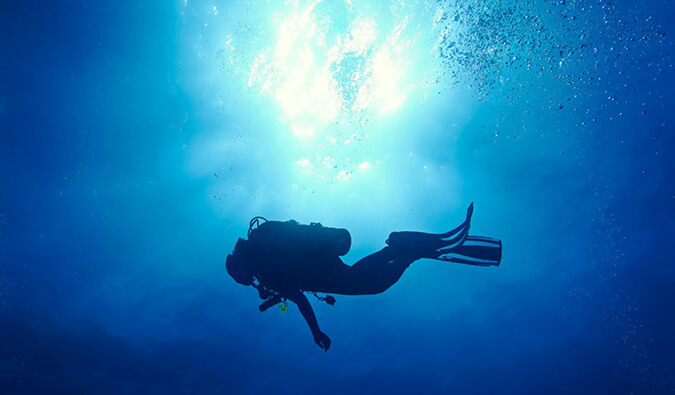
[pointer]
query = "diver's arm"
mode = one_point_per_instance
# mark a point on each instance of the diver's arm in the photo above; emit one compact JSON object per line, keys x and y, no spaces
{"x":301,"y":301}
{"x":269,"y":303}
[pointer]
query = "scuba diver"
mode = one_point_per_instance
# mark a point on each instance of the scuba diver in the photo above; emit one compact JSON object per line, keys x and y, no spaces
{"x":285,"y":260}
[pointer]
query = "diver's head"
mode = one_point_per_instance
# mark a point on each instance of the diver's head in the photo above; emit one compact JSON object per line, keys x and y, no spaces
{"x":237,"y":264}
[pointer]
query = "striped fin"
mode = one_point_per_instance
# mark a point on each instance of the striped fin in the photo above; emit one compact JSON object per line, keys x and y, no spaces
{"x":476,"y":250}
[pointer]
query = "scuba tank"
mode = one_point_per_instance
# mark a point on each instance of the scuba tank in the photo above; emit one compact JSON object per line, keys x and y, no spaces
{"x":291,"y":236}
{"x":296,"y":239}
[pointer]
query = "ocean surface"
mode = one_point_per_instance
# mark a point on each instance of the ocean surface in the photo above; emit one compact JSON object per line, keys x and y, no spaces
{"x":138,"y":138}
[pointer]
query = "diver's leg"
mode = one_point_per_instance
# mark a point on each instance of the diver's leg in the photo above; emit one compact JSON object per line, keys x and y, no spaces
{"x":372,"y":274}
{"x":377,"y":272}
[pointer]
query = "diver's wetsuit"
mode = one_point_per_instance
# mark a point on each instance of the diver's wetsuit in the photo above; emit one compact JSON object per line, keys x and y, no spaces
{"x":285,"y":267}
{"x":370,"y":275}
{"x":297,"y":268}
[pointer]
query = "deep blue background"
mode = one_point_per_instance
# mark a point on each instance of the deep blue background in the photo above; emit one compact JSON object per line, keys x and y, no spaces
{"x":112,"y":245}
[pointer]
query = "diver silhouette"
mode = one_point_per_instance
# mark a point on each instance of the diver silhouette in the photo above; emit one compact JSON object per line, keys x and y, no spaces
{"x":283,"y":260}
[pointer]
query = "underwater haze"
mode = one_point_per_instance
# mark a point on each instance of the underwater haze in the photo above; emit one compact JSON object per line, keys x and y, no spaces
{"x":138,"y":138}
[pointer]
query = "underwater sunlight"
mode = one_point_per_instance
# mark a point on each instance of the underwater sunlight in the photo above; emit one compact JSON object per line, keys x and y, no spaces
{"x":483,"y":192}
{"x":331,"y":71}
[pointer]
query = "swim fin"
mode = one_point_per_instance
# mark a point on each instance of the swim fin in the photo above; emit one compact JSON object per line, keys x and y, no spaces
{"x":430,"y":243}
{"x":475,"y":250}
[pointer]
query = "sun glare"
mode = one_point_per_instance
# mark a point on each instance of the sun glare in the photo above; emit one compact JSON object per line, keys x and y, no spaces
{"x":330,"y":68}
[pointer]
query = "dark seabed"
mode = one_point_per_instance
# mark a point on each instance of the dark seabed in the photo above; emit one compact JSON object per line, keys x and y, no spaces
{"x":137,"y":139}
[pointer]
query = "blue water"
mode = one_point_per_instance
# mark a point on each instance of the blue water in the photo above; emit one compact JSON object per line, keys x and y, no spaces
{"x":137,"y":139}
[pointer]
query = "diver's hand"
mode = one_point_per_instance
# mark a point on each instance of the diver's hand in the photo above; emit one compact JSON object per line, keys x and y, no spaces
{"x":322,"y":340}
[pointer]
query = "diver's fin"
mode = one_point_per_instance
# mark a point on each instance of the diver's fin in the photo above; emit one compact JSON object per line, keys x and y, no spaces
{"x":428,"y":244}
{"x":464,"y":225}
{"x":475,"y":250}
{"x":455,"y":241}
{"x":459,"y":234}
